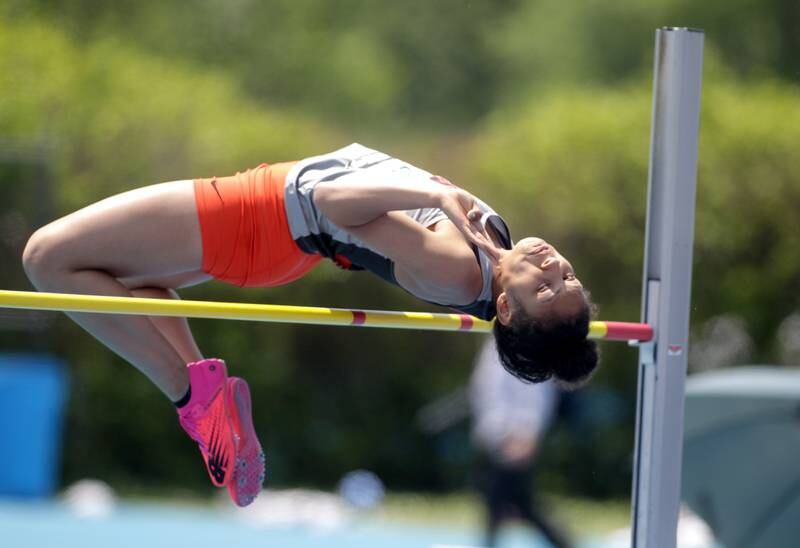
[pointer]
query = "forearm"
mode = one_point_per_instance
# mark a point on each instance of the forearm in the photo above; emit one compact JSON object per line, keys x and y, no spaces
{"x":356,"y":203}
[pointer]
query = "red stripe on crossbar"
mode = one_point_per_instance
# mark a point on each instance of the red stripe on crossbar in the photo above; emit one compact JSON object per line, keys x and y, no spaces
{"x":359,"y":317}
{"x":628,"y":331}
{"x":466,"y":322}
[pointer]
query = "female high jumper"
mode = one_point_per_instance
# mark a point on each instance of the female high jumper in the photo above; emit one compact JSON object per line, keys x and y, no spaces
{"x":269,"y":226}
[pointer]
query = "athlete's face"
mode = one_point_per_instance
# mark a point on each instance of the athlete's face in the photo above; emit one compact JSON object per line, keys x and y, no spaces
{"x":537,"y":278}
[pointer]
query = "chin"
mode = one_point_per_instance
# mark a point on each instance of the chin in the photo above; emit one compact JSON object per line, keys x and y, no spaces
{"x":532,"y":239}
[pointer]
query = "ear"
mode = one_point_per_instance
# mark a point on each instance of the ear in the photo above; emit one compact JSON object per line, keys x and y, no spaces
{"x":503,"y":307}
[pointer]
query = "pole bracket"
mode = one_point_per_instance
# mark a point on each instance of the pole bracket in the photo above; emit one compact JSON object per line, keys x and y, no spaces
{"x":647,"y":351}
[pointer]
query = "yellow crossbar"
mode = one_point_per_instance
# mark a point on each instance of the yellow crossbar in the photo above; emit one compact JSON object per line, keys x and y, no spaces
{"x":282,"y":313}
{"x":241,"y":311}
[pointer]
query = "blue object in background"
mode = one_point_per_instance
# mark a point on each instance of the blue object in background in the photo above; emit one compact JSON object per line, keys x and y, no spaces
{"x":362,"y":488}
{"x":33,"y":389}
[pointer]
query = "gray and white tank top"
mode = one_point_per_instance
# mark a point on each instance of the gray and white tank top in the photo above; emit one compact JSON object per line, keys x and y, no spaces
{"x":315,"y":233}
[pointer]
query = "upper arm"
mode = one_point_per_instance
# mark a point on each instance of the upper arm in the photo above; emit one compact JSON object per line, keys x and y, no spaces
{"x":424,"y":260}
{"x":358,"y":199}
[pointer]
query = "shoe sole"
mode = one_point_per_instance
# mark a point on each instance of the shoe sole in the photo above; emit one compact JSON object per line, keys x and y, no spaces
{"x":247,"y":444}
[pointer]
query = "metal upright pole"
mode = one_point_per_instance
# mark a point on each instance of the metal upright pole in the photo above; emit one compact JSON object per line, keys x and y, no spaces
{"x":667,"y":286}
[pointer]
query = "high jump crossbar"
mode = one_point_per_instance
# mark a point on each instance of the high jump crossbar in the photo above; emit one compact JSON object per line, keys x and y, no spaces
{"x":63,"y":302}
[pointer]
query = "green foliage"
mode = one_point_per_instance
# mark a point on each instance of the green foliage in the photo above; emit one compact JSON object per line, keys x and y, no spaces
{"x":748,"y":195}
{"x":417,"y":63}
{"x":548,"y":43}
{"x":360,"y":63}
{"x":114,"y":116}
{"x":552,"y":105}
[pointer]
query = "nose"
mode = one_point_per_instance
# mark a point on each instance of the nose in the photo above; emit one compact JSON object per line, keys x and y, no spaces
{"x":552,"y":271}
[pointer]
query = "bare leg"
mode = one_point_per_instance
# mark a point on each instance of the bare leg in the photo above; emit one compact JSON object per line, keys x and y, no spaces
{"x":145,"y":241}
{"x":175,"y":330}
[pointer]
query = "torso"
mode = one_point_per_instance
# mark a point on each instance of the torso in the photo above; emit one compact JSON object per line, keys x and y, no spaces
{"x":459,"y":266}
{"x":453,"y":274}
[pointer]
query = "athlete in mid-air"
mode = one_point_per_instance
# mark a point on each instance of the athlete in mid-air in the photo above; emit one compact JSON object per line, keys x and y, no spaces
{"x":269,"y":226}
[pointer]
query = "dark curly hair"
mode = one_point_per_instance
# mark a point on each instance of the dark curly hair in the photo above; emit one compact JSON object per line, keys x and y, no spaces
{"x":535,"y":350}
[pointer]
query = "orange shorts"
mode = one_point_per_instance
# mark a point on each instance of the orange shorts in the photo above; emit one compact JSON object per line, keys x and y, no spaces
{"x":246,"y":238}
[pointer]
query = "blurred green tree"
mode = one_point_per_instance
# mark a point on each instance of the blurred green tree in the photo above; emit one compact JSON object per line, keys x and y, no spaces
{"x":392,"y":65}
{"x":544,"y":111}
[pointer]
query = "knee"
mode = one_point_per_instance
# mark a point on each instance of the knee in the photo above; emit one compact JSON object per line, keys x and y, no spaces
{"x":42,"y":258}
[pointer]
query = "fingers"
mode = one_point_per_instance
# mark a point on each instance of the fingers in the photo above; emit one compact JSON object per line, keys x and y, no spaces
{"x":479,"y":237}
{"x":488,"y":244}
{"x":491,"y":252}
{"x":466,"y":215}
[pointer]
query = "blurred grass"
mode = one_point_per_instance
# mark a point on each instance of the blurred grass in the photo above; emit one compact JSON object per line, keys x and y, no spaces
{"x":583,"y":517}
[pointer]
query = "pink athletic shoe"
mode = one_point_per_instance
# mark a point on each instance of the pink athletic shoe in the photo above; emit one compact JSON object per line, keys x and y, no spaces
{"x":248,"y":473}
{"x":206,"y":418}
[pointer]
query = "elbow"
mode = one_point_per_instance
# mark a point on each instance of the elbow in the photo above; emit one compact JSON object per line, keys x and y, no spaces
{"x":321,"y":197}
{"x":330,"y":203}
{"x":324,"y":199}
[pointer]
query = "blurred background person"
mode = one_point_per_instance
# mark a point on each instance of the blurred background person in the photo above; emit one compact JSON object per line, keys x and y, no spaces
{"x":510,"y":419}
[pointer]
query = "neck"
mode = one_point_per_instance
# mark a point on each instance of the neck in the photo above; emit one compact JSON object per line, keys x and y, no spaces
{"x":496,"y":287}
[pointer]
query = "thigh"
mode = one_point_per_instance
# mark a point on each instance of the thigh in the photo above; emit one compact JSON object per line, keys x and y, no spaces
{"x":146,"y":234}
{"x":165,"y":281}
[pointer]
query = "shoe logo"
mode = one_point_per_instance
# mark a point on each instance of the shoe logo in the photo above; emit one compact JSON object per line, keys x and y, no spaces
{"x":217,"y":459}
{"x":217,"y":467}
{"x":214,"y":186}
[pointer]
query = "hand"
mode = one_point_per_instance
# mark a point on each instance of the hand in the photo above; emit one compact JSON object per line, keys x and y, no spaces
{"x":463,"y":211}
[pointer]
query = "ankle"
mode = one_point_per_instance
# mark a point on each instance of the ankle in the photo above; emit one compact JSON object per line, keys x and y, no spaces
{"x":181,"y":402}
